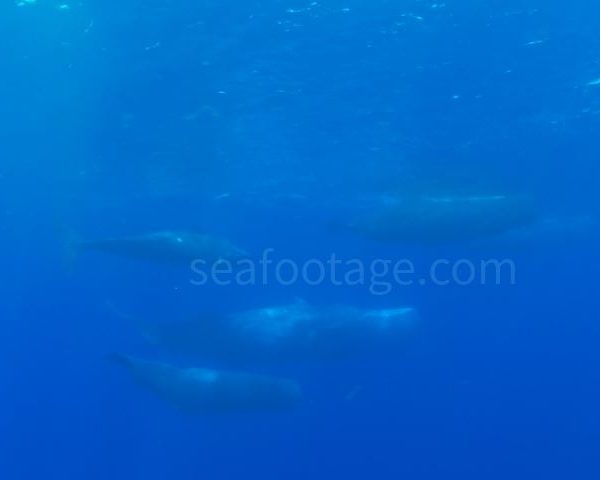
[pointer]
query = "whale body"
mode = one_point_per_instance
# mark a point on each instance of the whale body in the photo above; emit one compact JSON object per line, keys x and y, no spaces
{"x":203,"y":390}
{"x":433,"y":220}
{"x":296,"y":332}
{"x":169,"y":247}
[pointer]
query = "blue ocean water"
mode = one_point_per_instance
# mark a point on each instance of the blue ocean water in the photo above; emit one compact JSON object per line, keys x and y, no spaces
{"x":266,"y":122}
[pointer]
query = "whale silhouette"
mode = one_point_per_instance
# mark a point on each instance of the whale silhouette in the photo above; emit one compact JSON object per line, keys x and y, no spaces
{"x":296,"y":332}
{"x":168,"y":247}
{"x":203,"y":390}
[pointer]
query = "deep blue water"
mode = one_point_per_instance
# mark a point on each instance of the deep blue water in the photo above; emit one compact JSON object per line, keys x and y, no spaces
{"x":262,"y":121}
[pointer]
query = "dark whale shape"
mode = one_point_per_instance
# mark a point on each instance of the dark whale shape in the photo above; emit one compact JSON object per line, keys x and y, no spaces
{"x":290,"y":333}
{"x":435,"y":220}
{"x":203,"y":390}
{"x":169,"y":247}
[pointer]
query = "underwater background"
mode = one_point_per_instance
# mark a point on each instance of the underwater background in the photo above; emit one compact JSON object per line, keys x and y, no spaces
{"x":260,"y":121}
